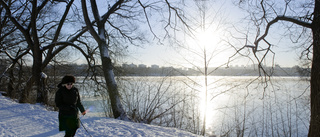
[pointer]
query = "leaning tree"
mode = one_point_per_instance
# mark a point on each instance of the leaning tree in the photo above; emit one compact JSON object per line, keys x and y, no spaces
{"x":114,"y":21}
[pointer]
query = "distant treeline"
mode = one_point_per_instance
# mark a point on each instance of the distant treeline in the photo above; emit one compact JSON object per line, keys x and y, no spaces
{"x":83,"y":70}
{"x":223,"y":71}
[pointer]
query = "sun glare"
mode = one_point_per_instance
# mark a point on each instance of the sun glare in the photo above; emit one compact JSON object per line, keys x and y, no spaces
{"x":207,"y":39}
{"x":206,"y":44}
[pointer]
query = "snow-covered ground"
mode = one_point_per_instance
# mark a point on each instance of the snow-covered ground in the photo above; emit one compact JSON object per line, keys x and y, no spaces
{"x":21,"y":120}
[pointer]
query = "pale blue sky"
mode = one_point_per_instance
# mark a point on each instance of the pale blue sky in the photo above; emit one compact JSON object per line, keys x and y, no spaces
{"x":287,"y":55}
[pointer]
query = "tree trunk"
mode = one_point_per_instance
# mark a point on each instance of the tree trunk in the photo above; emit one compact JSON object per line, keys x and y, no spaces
{"x":10,"y":89}
{"x":24,"y":97}
{"x":112,"y":88}
{"x":117,"y":109}
{"x":314,"y":129}
{"x":100,"y":37}
{"x":42,"y":95}
{"x":34,"y":82}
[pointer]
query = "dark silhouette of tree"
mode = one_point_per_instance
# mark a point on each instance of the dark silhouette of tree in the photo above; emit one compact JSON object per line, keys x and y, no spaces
{"x":33,"y":21}
{"x":298,"y":18}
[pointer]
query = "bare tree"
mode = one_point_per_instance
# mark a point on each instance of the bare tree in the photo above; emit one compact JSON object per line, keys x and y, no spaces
{"x":33,"y":21}
{"x":125,"y":11}
{"x":10,"y":48}
{"x":298,"y":18}
{"x":100,"y":37}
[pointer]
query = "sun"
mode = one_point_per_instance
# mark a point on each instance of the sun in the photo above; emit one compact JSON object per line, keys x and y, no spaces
{"x":207,"y":39}
{"x":206,"y":44}
{"x":201,"y":39}
{"x":206,"y":47}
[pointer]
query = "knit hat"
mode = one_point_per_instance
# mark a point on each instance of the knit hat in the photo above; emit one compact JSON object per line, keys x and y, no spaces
{"x":68,"y":79}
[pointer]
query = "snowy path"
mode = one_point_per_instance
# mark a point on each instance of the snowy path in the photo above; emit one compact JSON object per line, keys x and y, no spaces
{"x":22,"y":120}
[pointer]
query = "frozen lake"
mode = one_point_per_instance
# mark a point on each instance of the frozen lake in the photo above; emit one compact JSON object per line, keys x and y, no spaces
{"x":247,"y":106}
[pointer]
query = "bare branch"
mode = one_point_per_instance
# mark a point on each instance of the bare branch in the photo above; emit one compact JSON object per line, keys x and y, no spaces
{"x":280,"y":18}
{"x":114,"y":8}
{"x":87,"y":20}
{"x":146,"y":16}
{"x":63,"y":18}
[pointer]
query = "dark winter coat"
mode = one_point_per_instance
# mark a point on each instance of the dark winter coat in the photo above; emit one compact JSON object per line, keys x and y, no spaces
{"x":68,"y":102}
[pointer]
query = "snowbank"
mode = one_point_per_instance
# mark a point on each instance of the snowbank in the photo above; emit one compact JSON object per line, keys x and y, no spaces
{"x":21,"y":120}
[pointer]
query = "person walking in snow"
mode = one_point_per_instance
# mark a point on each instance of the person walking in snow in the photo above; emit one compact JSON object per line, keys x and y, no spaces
{"x":68,"y":101}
